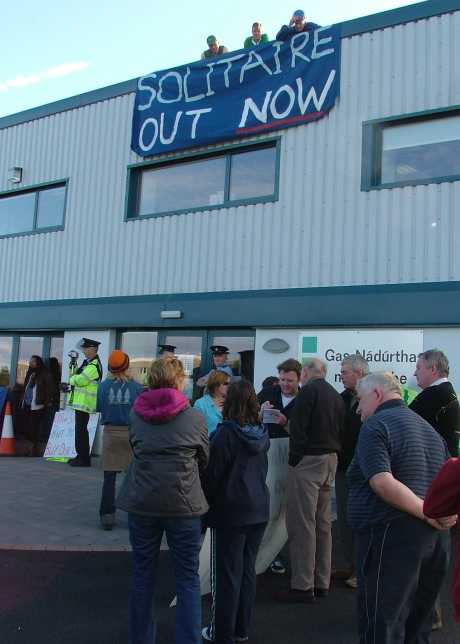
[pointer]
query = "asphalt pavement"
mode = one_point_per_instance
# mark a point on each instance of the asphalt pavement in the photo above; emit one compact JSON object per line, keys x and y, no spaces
{"x":66,"y":581}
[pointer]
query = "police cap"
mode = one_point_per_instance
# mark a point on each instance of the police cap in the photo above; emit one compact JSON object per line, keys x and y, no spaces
{"x":166,"y":347}
{"x":86,"y":343}
{"x":219,"y":350}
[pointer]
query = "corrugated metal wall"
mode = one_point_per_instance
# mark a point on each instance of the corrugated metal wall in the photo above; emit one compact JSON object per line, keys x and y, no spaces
{"x":323,"y":231}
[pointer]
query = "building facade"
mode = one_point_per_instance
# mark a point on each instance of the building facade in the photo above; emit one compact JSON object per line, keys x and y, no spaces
{"x":343,"y":226}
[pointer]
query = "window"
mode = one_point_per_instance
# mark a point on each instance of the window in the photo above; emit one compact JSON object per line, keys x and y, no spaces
{"x":420,"y":149}
{"x":244,"y":174}
{"x":141,"y":346}
{"x":34,"y":210}
{"x":28,"y":346}
{"x":6,"y":350}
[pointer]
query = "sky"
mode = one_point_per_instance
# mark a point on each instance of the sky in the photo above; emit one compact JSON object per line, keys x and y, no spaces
{"x":54,"y":49}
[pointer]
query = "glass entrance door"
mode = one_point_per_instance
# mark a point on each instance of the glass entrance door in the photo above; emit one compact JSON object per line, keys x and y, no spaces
{"x":193,"y":349}
{"x":189,"y":348}
{"x":241,"y":347}
{"x":28,"y":346}
{"x":141,"y":346}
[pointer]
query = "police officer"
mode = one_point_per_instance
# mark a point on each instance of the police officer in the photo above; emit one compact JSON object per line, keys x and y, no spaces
{"x":84,"y":381}
{"x":219,"y":357}
{"x":166,"y":351}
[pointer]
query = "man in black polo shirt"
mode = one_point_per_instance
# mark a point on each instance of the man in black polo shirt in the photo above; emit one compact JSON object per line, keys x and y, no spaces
{"x":401,"y":556}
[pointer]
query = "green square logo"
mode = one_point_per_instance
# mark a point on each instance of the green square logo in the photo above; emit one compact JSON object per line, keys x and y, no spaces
{"x":310,"y":344}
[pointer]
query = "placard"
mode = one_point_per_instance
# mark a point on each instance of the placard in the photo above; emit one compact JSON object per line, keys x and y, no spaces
{"x":61,"y":443}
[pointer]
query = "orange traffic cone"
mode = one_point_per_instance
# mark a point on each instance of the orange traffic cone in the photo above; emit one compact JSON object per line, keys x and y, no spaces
{"x":7,"y":441}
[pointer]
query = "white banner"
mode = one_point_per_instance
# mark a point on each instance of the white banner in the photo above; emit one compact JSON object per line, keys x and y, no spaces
{"x":61,"y":443}
{"x":384,"y":349}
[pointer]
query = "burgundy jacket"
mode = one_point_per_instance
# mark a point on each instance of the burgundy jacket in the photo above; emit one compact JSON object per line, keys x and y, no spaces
{"x":443,"y":499}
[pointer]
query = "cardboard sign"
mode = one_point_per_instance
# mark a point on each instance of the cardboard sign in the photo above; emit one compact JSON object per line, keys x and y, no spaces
{"x":61,"y":443}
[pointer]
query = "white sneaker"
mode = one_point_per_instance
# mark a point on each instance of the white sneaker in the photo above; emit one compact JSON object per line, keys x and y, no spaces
{"x":277,"y":567}
{"x":351,"y":582}
{"x":206,"y":634}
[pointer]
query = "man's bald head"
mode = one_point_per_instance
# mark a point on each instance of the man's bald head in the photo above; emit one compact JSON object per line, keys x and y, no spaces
{"x":313,"y":368}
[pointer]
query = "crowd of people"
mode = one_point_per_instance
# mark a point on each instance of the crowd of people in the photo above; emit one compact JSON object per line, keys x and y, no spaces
{"x":297,"y":24}
{"x":188,"y":468}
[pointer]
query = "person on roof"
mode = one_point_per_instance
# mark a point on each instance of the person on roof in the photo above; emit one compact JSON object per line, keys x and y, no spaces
{"x":297,"y":24}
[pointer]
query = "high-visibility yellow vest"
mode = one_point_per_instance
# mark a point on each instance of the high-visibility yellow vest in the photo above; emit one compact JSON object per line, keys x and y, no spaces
{"x":84,"y":394}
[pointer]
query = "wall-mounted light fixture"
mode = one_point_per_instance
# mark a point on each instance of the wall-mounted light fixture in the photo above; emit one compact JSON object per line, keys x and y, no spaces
{"x":171,"y":315}
{"x":276,"y":345}
{"x":15,"y":174}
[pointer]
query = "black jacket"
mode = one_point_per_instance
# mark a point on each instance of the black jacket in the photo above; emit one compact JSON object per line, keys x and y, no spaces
{"x":234,"y":482}
{"x":352,"y":426}
{"x":273,"y":395}
{"x":317,"y":420}
{"x":44,"y":386}
{"x":438,"y":405}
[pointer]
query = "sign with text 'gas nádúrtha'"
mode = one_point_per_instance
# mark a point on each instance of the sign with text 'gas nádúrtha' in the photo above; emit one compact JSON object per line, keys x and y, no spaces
{"x":250,"y":91}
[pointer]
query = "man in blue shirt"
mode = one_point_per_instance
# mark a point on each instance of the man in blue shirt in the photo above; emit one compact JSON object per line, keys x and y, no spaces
{"x":297,"y":25}
{"x":401,"y":556}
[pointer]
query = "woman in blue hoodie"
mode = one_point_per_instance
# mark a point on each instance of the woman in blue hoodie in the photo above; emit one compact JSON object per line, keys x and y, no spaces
{"x":239,"y":510}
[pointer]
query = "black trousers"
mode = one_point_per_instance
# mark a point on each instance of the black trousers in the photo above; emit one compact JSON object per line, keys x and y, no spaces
{"x":35,"y":420}
{"x":233,"y":580}
{"x":400,"y":568}
{"x":108,"y":493}
{"x":82,"y":435}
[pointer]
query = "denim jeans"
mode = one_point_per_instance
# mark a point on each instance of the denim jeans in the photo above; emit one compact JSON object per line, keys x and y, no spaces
{"x":184,"y":541}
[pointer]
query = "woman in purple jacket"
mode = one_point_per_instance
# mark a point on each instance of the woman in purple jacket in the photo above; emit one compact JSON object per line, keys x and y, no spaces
{"x":162,"y":494}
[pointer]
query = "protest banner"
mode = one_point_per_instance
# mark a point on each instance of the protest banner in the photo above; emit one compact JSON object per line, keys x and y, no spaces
{"x":276,"y":85}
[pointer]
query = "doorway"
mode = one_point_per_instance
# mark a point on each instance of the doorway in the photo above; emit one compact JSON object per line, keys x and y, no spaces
{"x":192,"y":347}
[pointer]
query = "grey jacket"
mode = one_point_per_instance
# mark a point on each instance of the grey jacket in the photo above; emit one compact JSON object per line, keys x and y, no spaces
{"x":170,"y":447}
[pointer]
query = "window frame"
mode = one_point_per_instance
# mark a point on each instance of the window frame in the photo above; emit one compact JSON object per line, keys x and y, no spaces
{"x":371,"y":157}
{"x":37,"y":188}
{"x":135,"y":169}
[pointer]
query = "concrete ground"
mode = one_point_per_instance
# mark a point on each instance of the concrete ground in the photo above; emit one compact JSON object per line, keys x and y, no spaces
{"x":50,"y":505}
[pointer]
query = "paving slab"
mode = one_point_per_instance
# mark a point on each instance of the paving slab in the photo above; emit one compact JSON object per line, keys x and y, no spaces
{"x":50,"y":505}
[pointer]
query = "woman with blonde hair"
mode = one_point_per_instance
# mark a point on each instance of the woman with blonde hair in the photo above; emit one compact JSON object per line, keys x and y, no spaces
{"x":115,"y":397}
{"x":212,"y":403}
{"x":162,"y":494}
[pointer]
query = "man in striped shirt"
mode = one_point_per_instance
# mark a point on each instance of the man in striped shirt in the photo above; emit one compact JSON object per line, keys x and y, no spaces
{"x":401,"y":556}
